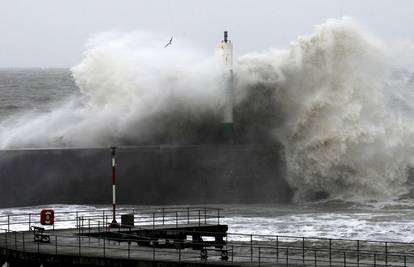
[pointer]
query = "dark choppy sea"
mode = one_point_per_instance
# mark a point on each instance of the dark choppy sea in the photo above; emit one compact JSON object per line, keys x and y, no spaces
{"x":39,"y":90}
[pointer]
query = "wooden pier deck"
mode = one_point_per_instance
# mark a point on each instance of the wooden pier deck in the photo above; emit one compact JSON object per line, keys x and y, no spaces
{"x":110,"y":247}
{"x":179,"y":236}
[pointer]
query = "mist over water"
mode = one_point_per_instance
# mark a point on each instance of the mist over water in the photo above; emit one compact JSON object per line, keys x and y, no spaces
{"x":339,"y":100}
{"x":335,"y":93}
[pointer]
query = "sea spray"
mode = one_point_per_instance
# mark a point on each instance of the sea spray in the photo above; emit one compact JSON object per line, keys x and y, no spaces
{"x":135,"y":92}
{"x":331,"y":89}
{"x":334,"y":100}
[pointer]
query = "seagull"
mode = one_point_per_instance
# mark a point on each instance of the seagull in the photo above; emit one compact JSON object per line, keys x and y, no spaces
{"x":169,"y":42}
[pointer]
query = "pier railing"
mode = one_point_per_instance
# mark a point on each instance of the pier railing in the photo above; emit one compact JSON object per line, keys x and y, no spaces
{"x":254,"y":249}
{"x":253,"y":253}
{"x":143,"y":216}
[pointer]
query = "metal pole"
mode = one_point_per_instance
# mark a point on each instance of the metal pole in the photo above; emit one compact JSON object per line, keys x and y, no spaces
{"x":251,"y":248}
{"x":23,"y":242}
{"x":163,"y":216}
{"x":153,"y":220}
{"x":375,"y":260}
{"x":386,"y":253}
{"x":199,"y":218}
{"x":79,"y":240}
{"x":30,"y":220}
{"x":344,"y":259}
{"x":277,"y":248}
{"x":287,"y":256}
{"x":205,"y":215}
{"x":8,"y":222}
{"x":358,"y":253}
{"x":218,"y":216}
{"x":315,"y":258}
{"x":188,"y":215}
{"x":114,"y":222}
{"x":303,"y":249}
{"x":259,"y":256}
{"x":330,"y":252}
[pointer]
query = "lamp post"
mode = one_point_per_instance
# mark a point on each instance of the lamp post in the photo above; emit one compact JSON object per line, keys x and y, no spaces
{"x":114,"y":223}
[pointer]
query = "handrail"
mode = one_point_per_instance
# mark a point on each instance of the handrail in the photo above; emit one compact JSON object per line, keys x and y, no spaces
{"x":240,"y":251}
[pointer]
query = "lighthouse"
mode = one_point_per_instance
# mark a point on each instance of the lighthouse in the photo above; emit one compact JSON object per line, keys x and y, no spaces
{"x":226,"y":53}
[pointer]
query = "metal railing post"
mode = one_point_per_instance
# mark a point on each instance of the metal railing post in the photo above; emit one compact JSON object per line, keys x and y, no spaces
{"x":79,"y":240}
{"x":153,"y":220}
{"x":344,"y":259}
{"x":358,"y":253}
{"x":15,"y":240}
{"x":176,"y":219}
{"x":405,"y":261}
{"x":315,"y":257}
{"x":375,"y":260}
{"x":199,"y":218}
{"x":251,"y":248}
{"x":287,"y":256}
{"x":259,"y":256}
{"x":8,"y":222}
{"x":218,"y":216}
{"x":277,"y":249}
{"x":303,"y":249}
{"x":386,"y":253}
{"x":330,"y":252}
{"x":30,"y":220}
{"x":163,"y":216}
{"x":77,"y":218}
{"x":205,"y":215}
{"x":188,"y":215}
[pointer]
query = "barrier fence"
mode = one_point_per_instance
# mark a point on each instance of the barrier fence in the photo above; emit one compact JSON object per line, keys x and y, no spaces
{"x":257,"y":250}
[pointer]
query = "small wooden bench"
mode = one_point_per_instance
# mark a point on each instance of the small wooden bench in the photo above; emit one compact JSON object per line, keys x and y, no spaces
{"x":39,"y":234}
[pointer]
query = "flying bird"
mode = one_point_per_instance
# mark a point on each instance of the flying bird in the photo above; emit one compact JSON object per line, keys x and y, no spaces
{"x":169,"y":42}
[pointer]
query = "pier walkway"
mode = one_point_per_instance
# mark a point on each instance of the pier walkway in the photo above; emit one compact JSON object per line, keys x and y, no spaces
{"x":179,"y":237}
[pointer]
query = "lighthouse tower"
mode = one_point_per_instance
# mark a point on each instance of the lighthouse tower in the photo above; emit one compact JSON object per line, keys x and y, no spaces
{"x":226,"y":53}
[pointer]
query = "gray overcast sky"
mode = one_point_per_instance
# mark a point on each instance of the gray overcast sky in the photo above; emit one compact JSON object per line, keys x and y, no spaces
{"x":52,"y":33}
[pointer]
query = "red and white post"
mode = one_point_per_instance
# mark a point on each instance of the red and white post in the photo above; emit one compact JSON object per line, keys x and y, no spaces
{"x":114,"y":222}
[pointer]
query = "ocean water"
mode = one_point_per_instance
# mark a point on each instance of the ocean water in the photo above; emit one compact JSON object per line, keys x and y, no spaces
{"x":40,"y":90}
{"x":338,"y":100}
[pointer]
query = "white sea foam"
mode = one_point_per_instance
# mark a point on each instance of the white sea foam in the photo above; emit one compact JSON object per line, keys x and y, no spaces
{"x":340,"y":101}
{"x":288,"y":222}
{"x":341,"y":124}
